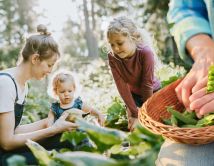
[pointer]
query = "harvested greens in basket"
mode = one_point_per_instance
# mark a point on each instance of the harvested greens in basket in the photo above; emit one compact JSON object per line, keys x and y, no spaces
{"x":187,"y":119}
{"x":210,"y":82}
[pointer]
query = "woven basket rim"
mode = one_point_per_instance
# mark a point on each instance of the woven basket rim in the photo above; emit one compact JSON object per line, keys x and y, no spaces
{"x":173,"y":127}
{"x":187,"y":135}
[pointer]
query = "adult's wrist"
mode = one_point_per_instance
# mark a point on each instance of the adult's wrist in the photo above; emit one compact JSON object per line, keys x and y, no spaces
{"x":53,"y":130}
{"x":197,"y":43}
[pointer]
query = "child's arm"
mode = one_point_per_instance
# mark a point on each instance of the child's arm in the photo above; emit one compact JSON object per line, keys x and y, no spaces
{"x":50,"y":119}
{"x":86,"y":108}
{"x":124,"y":91}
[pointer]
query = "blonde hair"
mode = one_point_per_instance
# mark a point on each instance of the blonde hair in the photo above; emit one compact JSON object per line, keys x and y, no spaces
{"x":126,"y":27}
{"x":61,"y":77}
{"x":41,"y":43}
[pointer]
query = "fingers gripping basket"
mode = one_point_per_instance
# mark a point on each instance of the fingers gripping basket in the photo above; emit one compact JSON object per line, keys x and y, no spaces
{"x":155,"y":107}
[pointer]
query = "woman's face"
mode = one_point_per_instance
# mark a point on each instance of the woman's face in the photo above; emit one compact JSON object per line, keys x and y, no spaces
{"x":43,"y":67}
{"x":122,"y":45}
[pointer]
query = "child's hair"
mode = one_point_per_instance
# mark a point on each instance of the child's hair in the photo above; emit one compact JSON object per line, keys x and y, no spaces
{"x":41,"y":43}
{"x":61,"y":77}
{"x":126,"y":27}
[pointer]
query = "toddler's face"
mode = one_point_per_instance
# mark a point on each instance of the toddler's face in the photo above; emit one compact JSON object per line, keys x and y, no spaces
{"x":122,"y":45}
{"x":65,"y":92}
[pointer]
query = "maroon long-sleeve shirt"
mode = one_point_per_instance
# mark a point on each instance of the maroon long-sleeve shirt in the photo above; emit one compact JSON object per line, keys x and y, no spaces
{"x":134,"y":75}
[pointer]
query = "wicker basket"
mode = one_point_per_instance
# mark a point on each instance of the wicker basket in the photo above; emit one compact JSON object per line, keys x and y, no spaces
{"x":155,"y":107}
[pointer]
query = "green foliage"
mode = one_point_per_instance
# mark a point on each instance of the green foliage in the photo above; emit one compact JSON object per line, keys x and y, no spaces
{"x":104,"y":138}
{"x":9,"y":57}
{"x":182,"y":117}
{"x":116,"y":115}
{"x":37,"y":103}
{"x":188,"y":119}
{"x":84,"y":159}
{"x":16,"y":160}
{"x":207,"y":120}
{"x":74,"y":137}
{"x":43,"y":157}
{"x":170,"y":80}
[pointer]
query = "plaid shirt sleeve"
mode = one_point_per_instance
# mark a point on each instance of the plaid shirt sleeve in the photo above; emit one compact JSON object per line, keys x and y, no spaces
{"x":186,"y":19}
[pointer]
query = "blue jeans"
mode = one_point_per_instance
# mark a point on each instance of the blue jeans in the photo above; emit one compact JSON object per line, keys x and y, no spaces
{"x":176,"y":154}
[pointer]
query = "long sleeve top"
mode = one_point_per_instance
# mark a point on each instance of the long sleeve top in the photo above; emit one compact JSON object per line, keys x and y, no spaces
{"x":134,"y":75}
{"x":188,"y":18}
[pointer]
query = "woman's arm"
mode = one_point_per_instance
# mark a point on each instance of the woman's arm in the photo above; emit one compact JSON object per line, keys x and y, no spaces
{"x":38,"y":125}
{"x":10,"y":140}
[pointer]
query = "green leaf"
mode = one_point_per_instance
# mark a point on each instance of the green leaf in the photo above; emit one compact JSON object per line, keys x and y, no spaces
{"x":85,"y":159}
{"x":74,"y":137}
{"x":116,"y":115}
{"x":39,"y":152}
{"x":105,"y":136}
{"x":169,"y":81}
{"x":16,"y":160}
{"x":170,"y":25}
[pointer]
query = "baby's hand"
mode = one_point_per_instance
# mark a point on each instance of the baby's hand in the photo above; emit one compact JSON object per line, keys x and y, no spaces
{"x":101,"y":119}
{"x":62,"y":125}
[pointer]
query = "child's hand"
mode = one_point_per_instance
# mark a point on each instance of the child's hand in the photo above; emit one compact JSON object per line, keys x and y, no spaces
{"x":101,"y":119}
{"x":62,"y":125}
{"x":132,"y":123}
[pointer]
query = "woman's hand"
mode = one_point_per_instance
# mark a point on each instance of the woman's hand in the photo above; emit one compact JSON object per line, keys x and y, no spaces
{"x":62,"y":125}
{"x":201,"y":48}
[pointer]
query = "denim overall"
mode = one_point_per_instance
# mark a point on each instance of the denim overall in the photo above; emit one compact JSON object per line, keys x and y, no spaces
{"x":18,"y":110}
{"x":57,"y":110}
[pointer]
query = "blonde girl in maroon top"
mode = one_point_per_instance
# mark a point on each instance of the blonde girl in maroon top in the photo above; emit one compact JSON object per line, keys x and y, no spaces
{"x":132,"y":63}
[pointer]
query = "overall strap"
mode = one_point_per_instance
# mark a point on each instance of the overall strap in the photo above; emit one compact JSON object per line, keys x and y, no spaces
{"x":6,"y":74}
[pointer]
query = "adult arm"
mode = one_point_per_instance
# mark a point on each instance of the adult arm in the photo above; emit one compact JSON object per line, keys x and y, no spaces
{"x":191,"y":31}
{"x":187,"y":19}
{"x":10,"y":140}
{"x":38,"y":125}
{"x":201,"y":48}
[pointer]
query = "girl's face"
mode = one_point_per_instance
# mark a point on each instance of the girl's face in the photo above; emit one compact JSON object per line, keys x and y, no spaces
{"x":65,"y":92}
{"x":42,"y":68}
{"x":122,"y":45}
